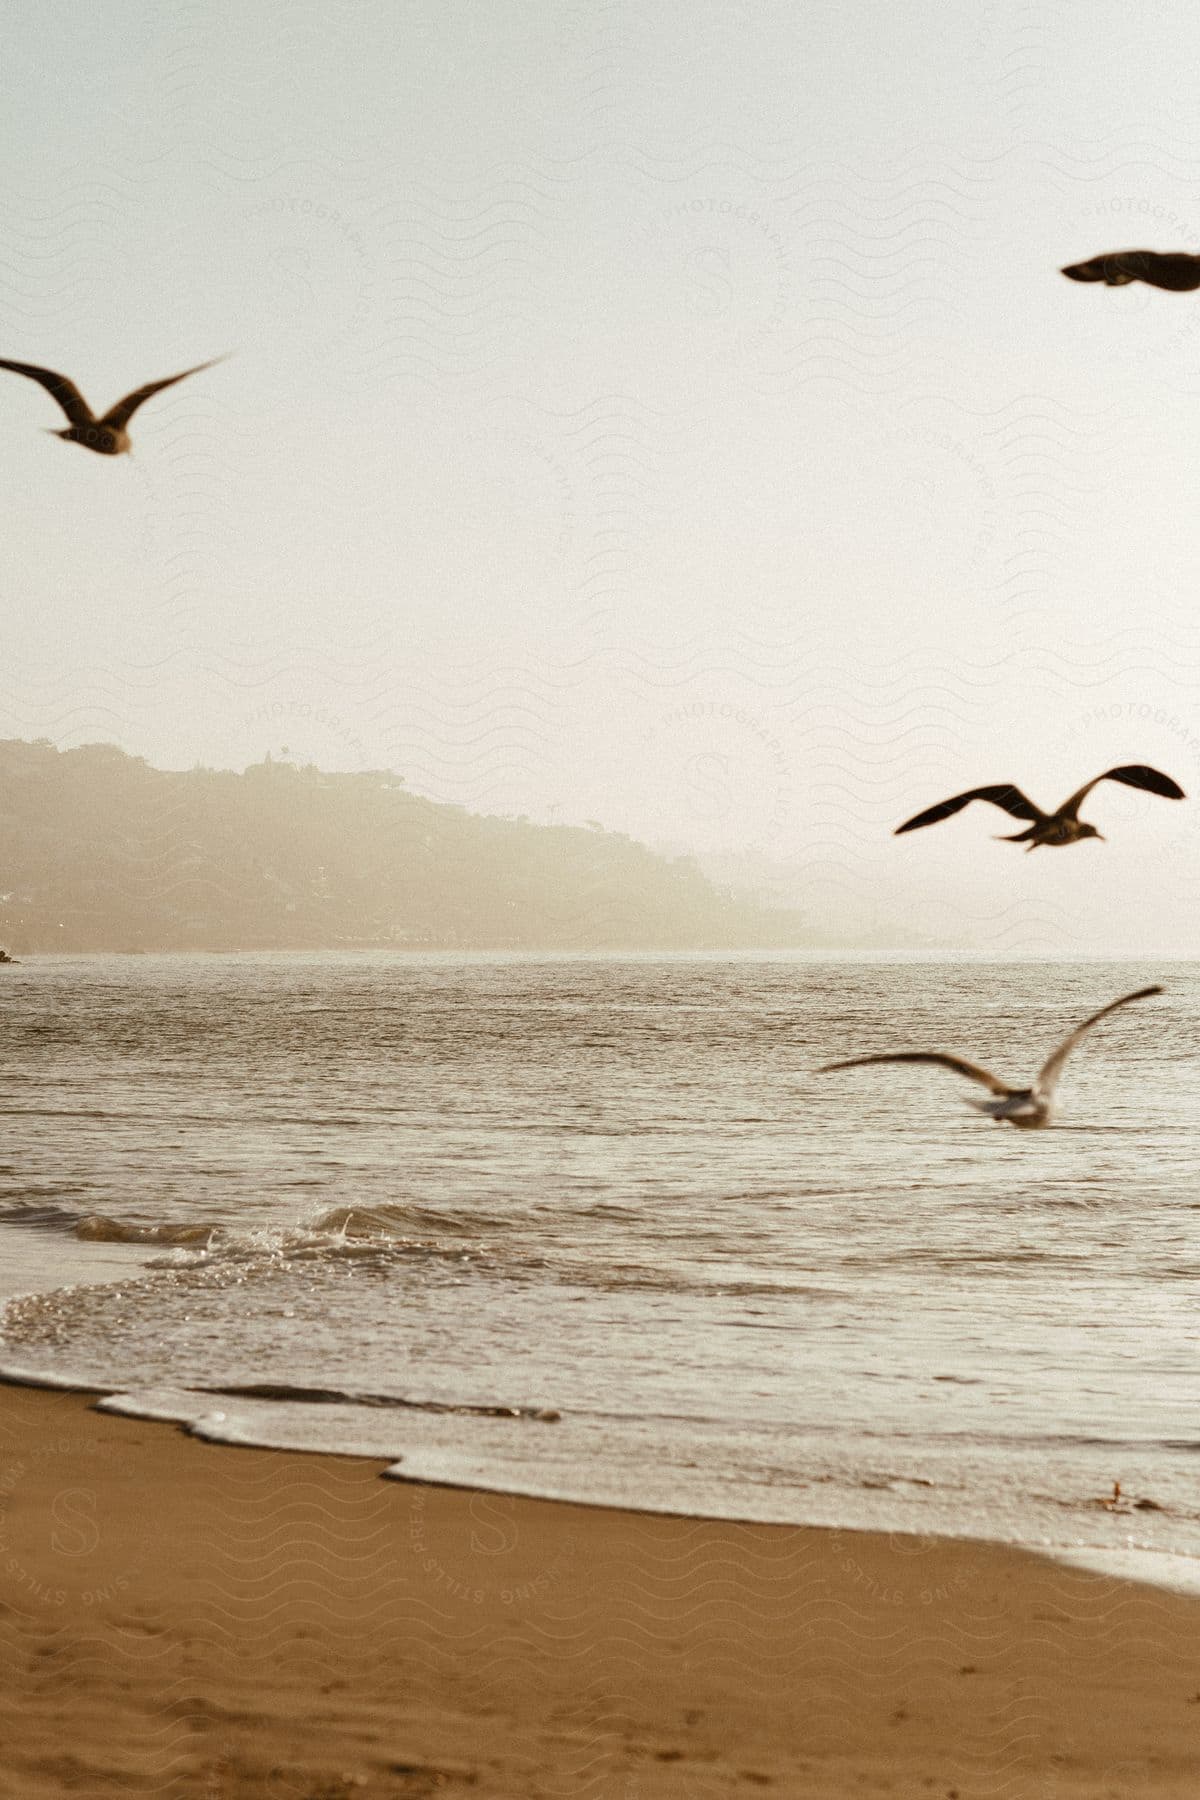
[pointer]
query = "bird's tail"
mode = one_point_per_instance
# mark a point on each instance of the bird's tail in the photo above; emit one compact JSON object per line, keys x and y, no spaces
{"x":993,"y":1108}
{"x":1019,"y":837}
{"x":986,"y":1107}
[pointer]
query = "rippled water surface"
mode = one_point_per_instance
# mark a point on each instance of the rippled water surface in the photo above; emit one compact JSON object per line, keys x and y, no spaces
{"x":416,"y":1202}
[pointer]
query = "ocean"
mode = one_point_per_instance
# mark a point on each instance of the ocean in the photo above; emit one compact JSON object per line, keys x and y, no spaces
{"x":592,"y":1227}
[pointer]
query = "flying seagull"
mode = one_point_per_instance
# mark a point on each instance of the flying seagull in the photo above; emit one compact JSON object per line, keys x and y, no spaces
{"x":107,"y":436}
{"x":1161,"y":269}
{"x":1028,"y":1108}
{"x":1061,"y":827}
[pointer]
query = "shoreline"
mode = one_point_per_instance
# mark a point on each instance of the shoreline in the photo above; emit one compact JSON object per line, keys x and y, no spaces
{"x":202,"y":1619}
{"x":1174,"y":1570}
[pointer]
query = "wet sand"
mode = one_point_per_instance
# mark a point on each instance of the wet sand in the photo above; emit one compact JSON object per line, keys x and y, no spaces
{"x":184,"y":1619}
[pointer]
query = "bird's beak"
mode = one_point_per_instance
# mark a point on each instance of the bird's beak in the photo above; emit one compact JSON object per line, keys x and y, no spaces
{"x":1100,"y":838}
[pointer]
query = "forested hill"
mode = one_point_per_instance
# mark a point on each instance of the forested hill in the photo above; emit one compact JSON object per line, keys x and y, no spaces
{"x":98,"y":851}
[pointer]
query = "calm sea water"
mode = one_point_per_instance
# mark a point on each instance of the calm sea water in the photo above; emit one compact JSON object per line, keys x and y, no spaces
{"x":417,"y":1201}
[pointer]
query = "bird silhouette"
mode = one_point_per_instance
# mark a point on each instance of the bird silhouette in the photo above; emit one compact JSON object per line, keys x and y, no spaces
{"x":108,"y":435}
{"x":1056,"y":828}
{"x":1028,"y":1108}
{"x":1172,"y":269}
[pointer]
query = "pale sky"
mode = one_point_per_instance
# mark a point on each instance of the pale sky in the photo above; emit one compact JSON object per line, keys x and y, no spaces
{"x":666,"y":414}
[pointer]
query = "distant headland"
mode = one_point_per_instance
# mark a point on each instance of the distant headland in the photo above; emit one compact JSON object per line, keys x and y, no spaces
{"x":99,"y":851}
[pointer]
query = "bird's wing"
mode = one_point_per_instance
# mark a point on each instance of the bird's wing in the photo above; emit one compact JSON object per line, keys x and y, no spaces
{"x":65,"y":392}
{"x":1052,"y":1068}
{"x":1135,"y":775}
{"x":1175,"y":270}
{"x":1010,"y":798}
{"x":118,"y":416}
{"x":958,"y":1064}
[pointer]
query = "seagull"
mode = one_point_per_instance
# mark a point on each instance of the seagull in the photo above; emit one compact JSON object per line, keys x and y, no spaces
{"x":1028,"y":1108}
{"x":1061,"y":827}
{"x":1172,"y":269}
{"x":107,"y":436}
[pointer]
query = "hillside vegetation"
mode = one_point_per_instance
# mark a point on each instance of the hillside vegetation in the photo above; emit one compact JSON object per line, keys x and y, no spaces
{"x":98,"y":851}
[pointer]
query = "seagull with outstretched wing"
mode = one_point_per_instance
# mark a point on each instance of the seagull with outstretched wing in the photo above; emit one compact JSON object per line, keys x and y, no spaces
{"x":1061,"y":827}
{"x":108,"y":436}
{"x":1028,"y":1108}
{"x":1171,"y":269}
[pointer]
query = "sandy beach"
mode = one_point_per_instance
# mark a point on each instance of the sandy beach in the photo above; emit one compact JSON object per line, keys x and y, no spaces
{"x":181,"y":1618}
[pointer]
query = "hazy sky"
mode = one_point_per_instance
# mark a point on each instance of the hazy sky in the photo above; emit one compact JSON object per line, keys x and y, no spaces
{"x":667,"y":414}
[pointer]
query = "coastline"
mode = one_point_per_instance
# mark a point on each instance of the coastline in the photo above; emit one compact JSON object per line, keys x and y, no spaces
{"x":397,"y":1439}
{"x":184,"y":1617}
